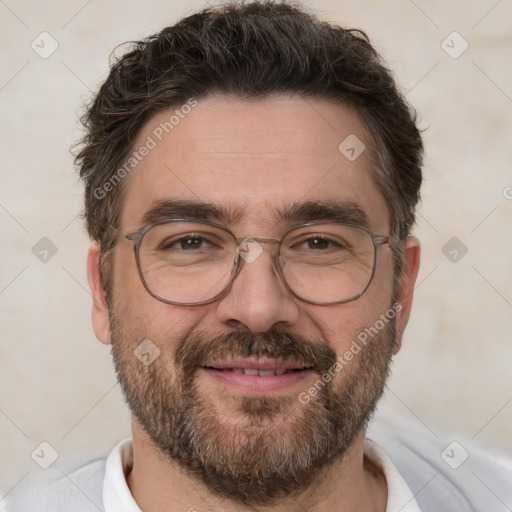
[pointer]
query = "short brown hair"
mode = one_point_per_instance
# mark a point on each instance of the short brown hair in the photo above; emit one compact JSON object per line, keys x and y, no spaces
{"x":249,"y":51}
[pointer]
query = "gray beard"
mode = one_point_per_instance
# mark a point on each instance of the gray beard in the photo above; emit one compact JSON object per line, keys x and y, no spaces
{"x":272,"y":453}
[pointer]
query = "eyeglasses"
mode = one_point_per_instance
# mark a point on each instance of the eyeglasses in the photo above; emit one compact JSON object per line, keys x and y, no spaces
{"x":189,"y":263}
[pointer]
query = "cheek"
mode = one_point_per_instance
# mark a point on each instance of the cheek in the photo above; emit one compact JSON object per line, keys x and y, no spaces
{"x":135,"y":310}
{"x":133,"y":304}
{"x":142,"y":317}
{"x":342,"y":325}
{"x":126,"y":282}
{"x":382,"y":282}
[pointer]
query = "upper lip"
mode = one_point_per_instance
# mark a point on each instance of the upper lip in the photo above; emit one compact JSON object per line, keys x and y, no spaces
{"x":258,"y":364}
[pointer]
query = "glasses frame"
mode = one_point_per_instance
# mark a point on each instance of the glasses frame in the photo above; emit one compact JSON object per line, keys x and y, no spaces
{"x":137,"y":237}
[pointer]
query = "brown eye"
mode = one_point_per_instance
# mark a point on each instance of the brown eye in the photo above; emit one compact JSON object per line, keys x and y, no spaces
{"x":187,"y":242}
{"x":191,"y":243}
{"x":318,"y":243}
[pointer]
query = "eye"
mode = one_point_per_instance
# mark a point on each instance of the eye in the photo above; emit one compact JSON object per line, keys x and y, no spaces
{"x":189,"y":242}
{"x":318,"y":243}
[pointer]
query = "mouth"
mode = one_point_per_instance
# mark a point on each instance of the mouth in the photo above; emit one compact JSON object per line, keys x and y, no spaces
{"x":258,"y":376}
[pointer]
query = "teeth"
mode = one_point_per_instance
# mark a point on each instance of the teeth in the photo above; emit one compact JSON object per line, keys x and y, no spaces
{"x":263,"y":373}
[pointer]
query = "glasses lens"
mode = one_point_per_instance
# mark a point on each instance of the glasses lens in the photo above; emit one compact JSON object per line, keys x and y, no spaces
{"x":327,"y":263}
{"x":186,"y":262}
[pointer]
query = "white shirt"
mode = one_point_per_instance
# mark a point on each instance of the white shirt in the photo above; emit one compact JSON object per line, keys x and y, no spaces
{"x":424,"y":473}
{"x":118,"y":498}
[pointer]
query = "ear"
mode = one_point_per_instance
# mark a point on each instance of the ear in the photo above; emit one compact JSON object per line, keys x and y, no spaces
{"x":100,"y":316}
{"x":411,"y":265}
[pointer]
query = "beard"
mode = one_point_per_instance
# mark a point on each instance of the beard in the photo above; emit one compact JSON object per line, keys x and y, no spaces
{"x":267,"y":447}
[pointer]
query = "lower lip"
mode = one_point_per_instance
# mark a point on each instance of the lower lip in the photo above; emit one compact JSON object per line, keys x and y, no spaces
{"x":255,"y":383}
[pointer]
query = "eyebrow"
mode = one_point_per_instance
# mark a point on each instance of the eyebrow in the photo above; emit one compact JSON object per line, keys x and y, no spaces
{"x":187,"y":209}
{"x":331,"y":210}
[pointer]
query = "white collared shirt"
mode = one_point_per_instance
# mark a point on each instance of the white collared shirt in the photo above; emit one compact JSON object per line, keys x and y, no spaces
{"x":423,"y":474}
{"x":118,"y":498}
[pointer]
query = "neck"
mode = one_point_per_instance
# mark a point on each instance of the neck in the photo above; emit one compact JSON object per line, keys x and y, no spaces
{"x":351,"y":483}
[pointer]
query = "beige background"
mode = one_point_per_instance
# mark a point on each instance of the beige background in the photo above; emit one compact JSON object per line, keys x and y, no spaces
{"x":454,"y":372}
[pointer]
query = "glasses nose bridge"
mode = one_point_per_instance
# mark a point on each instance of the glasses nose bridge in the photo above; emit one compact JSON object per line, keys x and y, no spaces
{"x":252,"y":239}
{"x":243,"y":246}
{"x":249,"y":249}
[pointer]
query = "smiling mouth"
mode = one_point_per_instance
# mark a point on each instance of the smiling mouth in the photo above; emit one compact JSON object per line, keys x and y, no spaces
{"x":258,"y":376}
{"x":259,"y":372}
{"x":263,"y":366}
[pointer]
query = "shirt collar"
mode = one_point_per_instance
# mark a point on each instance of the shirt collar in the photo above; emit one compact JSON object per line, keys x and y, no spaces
{"x":116,"y":493}
{"x":400,"y":496}
{"x":118,"y":498}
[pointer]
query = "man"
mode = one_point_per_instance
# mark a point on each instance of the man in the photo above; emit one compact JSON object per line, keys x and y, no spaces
{"x":251,"y":179}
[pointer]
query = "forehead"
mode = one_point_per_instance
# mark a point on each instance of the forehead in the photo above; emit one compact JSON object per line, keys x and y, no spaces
{"x":255,"y":159}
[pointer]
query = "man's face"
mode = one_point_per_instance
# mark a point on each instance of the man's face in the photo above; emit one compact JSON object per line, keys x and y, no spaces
{"x":249,"y":436}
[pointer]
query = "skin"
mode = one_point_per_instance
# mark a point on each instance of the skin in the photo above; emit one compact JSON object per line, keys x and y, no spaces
{"x":254,"y":156}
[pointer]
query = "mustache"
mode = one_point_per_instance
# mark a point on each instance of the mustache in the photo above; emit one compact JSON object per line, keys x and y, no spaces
{"x":200,"y":347}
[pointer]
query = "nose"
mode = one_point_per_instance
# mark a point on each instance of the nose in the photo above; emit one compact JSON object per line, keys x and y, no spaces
{"x":258,"y":298}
